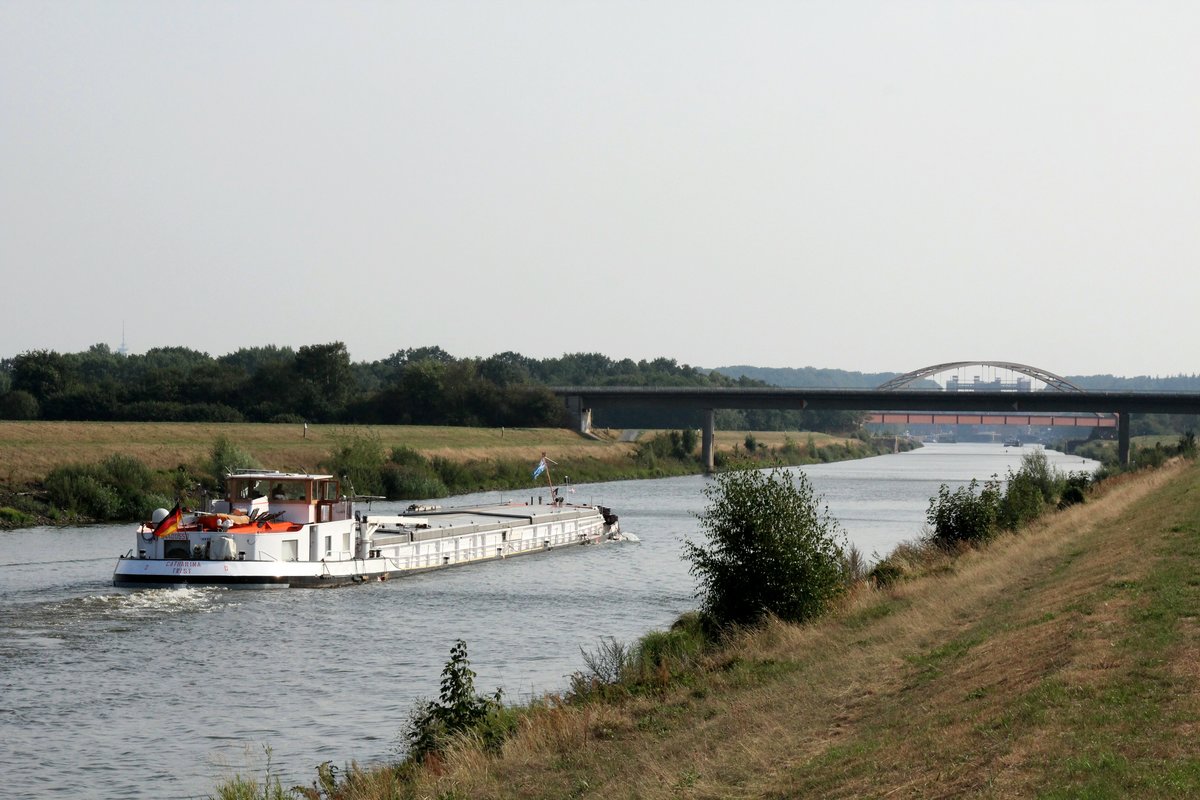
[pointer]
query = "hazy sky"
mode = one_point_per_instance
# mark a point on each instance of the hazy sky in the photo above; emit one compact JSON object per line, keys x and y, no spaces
{"x":863,"y":185}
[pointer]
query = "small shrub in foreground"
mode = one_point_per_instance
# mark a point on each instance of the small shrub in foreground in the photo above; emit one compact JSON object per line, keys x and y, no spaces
{"x":855,"y":566}
{"x":459,"y":711}
{"x":885,"y":573}
{"x":1072,"y":495}
{"x":662,"y":654}
{"x":241,"y":787}
{"x":616,"y":669}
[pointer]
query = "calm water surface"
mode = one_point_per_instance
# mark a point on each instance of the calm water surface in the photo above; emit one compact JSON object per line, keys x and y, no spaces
{"x":161,"y":693}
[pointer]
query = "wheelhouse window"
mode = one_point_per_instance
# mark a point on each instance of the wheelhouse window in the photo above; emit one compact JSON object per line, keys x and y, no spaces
{"x":327,"y":490}
{"x":277,"y":489}
{"x":289,"y":491}
{"x":246,"y":489}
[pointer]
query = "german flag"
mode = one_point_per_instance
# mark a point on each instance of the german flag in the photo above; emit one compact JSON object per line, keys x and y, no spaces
{"x":170,"y":523}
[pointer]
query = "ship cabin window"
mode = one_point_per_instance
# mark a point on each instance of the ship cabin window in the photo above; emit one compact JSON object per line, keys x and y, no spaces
{"x":328,"y":545}
{"x":327,"y":490}
{"x":176,"y":550}
{"x":291,"y":550}
{"x":246,"y":489}
{"x":289,"y":491}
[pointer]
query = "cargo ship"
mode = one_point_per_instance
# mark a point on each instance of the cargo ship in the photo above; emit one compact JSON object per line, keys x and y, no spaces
{"x":284,"y":529}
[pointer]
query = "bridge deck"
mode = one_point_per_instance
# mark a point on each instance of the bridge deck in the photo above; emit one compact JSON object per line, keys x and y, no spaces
{"x":581,"y":400}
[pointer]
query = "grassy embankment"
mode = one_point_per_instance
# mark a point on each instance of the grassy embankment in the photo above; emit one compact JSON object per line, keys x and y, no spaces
{"x":491,"y":458}
{"x":31,"y":449}
{"x":1057,"y":662}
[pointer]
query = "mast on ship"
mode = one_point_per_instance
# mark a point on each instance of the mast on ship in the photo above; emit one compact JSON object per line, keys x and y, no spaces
{"x":544,"y":466}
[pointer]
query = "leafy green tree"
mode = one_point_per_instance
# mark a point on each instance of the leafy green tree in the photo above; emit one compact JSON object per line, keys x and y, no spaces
{"x":770,"y":549}
{"x":85,"y":402}
{"x":535,"y":406}
{"x":506,"y":369}
{"x":422,"y":392}
{"x":250,"y":360}
{"x":18,"y":404}
{"x":325,"y":380}
{"x":42,"y":373}
{"x":99,"y":365}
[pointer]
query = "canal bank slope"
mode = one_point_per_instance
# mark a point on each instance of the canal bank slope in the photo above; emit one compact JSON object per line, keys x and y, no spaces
{"x":32,"y":449}
{"x":150,"y":464}
{"x":1059,"y":662}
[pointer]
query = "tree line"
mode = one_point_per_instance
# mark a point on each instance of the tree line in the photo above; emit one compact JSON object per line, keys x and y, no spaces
{"x":321,"y":383}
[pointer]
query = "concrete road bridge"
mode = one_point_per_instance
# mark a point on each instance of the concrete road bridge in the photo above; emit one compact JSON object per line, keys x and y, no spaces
{"x":1060,"y":397}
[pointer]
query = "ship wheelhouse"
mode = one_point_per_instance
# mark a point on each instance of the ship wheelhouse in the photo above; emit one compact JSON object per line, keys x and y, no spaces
{"x":288,"y":497}
{"x":265,"y":516}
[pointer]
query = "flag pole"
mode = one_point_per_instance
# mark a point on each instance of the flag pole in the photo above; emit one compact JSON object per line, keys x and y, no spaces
{"x":544,"y":466}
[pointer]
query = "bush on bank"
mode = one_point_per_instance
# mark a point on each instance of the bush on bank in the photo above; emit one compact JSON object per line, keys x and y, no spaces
{"x":771,"y":550}
{"x":1142,"y":455}
{"x":974,"y":514}
{"x":118,"y":488}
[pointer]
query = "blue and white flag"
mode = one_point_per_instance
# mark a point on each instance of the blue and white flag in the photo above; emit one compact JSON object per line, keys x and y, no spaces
{"x":541,"y":467}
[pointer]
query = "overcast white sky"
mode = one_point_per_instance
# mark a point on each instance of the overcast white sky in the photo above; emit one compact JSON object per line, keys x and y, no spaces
{"x":863,"y":185}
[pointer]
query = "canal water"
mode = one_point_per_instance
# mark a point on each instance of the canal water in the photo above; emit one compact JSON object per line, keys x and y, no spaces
{"x":161,"y":693}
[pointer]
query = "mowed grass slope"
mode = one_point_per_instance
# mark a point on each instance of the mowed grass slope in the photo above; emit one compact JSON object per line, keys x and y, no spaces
{"x":1060,"y":662}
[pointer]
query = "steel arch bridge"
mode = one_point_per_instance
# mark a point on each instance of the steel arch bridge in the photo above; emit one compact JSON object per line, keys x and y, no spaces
{"x":1055,"y":382}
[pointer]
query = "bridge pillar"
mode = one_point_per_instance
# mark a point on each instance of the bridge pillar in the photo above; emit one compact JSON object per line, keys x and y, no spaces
{"x":581,"y":418}
{"x":1123,"y":438}
{"x":707,"y":437}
